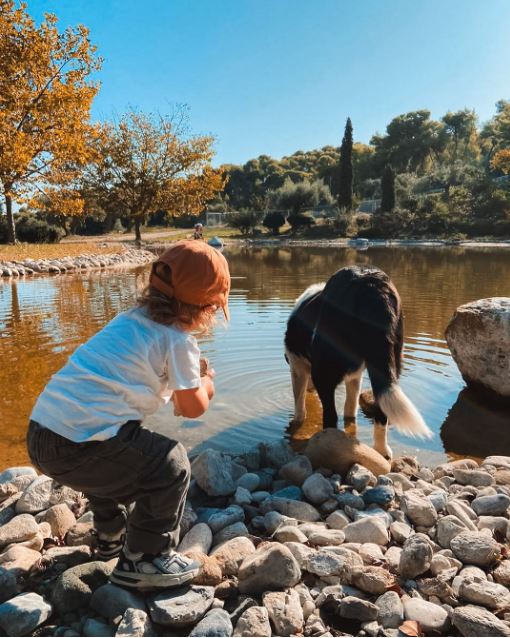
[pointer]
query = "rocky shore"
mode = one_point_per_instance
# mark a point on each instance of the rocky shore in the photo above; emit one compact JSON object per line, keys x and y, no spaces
{"x":287,"y":549}
{"x":87,"y":261}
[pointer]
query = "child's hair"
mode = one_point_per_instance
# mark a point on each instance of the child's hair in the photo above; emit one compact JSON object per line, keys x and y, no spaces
{"x":170,"y":311}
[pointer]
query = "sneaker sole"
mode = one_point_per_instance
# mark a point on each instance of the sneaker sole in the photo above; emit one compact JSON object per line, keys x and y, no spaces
{"x":106,"y":557}
{"x":152,"y":581}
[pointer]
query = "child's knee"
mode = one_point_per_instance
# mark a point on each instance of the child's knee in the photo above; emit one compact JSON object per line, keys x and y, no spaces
{"x":179,"y":462}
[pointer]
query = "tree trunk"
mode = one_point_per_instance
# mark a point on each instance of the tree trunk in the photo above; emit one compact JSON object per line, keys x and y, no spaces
{"x":63,"y":223}
{"x":138,"y":235}
{"x":11,"y":228}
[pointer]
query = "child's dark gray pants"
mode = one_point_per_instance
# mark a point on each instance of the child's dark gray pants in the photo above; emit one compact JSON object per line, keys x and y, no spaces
{"x":135,"y":466}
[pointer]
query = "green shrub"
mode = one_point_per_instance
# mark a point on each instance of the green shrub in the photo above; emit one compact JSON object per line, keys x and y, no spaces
{"x":344,"y":223}
{"x":244,"y":222}
{"x":274,"y":221}
{"x":37,"y":231}
{"x":300,"y":220}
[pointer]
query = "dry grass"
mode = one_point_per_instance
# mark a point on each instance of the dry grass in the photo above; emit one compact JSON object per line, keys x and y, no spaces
{"x":55,"y":251}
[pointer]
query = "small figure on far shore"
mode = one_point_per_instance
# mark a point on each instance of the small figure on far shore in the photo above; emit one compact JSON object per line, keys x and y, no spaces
{"x":198,"y":232}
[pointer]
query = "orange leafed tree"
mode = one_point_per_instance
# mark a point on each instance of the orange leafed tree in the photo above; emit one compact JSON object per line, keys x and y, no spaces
{"x":501,"y":161}
{"x":145,"y":163}
{"x":45,"y":100}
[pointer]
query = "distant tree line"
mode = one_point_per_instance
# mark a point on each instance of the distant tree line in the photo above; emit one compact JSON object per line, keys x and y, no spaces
{"x":438,"y":177}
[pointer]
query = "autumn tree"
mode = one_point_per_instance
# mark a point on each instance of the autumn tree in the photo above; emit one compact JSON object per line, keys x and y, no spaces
{"x":501,"y":161}
{"x":61,"y":203}
{"x":346,"y":176}
{"x":145,"y":163}
{"x":45,"y":100}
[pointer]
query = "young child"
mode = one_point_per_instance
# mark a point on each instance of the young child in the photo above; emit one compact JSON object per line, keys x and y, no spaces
{"x":85,"y":429}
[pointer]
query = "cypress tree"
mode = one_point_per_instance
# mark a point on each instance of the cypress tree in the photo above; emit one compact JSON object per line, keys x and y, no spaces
{"x":345,"y":185}
{"x":388,"y":189}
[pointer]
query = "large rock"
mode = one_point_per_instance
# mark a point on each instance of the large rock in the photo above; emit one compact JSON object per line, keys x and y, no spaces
{"x":12,"y":472}
{"x":418,"y":508}
{"x":390,"y":610}
{"x":8,"y":585}
{"x":36,"y":497}
{"x":231,"y":554}
{"x":448,"y":528}
{"x":20,"y":615}
{"x":216,"y":622}
{"x":475,"y":548}
{"x":478,"y":336}
{"x":198,"y":539}
{"x":367,"y":530}
{"x":17,"y":530}
{"x":492,"y":505}
{"x":73,"y":589}
{"x":431,"y":617}
{"x":181,"y":607}
{"x":60,"y":518}
{"x":373,"y":580}
{"x":219,"y":519}
{"x":277,"y":453}
{"x":272,"y":566}
{"x":135,"y":622}
{"x":297,"y":471}
{"x":416,"y":556}
{"x":284,"y":610}
{"x":317,"y":489}
{"x":212,"y":470}
{"x":111,"y":601}
{"x":229,"y":532}
{"x":357,"y":609}
{"x":337,"y":451}
{"x":18,"y":559}
{"x":253,"y":622}
{"x":472,"y":620}
{"x":294,"y":509}
{"x":480,"y":591}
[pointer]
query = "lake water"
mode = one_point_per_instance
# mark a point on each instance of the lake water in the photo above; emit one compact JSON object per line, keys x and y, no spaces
{"x":42,"y":320}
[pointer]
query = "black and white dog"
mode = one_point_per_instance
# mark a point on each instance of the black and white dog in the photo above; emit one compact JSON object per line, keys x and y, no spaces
{"x":336,"y":330}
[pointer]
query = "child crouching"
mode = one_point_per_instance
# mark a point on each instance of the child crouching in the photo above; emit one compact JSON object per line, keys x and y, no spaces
{"x":86,"y":428}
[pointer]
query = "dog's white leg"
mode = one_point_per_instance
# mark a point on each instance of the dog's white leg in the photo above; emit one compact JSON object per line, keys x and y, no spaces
{"x":381,"y":440}
{"x":352,"y":390}
{"x":300,"y":375}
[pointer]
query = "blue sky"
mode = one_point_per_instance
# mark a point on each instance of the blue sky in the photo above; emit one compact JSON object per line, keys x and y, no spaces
{"x":274,"y":76}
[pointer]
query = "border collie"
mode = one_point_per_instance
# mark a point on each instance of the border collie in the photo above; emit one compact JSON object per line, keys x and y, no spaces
{"x":336,"y":330}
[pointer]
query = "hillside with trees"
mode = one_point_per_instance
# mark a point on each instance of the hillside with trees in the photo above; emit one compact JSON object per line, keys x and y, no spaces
{"x":429,"y":177}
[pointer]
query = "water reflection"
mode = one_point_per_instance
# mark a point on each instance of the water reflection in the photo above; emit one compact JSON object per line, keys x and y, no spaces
{"x":475,"y":429}
{"x":43,"y":320}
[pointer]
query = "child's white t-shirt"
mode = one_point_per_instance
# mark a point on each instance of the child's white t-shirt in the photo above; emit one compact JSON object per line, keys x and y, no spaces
{"x":124,"y":372}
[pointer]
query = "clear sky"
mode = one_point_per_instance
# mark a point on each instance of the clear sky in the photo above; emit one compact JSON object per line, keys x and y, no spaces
{"x":274,"y":76}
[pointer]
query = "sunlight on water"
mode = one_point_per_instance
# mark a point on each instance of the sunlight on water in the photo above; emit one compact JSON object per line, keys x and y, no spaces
{"x":43,"y":320}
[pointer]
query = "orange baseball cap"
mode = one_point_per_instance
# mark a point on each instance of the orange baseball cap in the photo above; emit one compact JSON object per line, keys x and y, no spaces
{"x":199,"y":275}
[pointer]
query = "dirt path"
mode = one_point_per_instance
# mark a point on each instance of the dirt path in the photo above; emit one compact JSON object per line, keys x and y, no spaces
{"x":121,"y":237}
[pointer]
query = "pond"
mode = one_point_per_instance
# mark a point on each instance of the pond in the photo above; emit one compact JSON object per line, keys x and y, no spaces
{"x":42,"y":320}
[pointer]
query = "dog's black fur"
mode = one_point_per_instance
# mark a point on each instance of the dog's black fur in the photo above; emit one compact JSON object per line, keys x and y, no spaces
{"x":355,"y":321}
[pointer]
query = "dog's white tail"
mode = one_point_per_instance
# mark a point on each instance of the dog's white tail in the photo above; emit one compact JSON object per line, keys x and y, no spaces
{"x":402,"y":414}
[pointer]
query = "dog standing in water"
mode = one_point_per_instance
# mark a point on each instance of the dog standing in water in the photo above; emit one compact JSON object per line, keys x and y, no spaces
{"x":336,"y":330}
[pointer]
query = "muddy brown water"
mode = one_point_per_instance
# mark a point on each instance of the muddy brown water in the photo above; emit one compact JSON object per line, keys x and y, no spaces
{"x":43,"y":319}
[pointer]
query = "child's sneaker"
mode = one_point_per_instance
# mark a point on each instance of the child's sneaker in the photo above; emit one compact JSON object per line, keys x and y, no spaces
{"x":109,"y":545}
{"x":147,"y":571}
